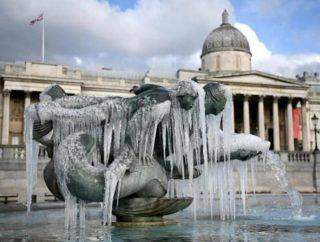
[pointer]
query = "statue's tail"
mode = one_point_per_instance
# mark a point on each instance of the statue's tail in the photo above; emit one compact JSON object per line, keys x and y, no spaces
{"x":73,"y":164}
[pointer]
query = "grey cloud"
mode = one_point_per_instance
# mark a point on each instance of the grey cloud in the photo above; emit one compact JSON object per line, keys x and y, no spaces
{"x":104,"y":35}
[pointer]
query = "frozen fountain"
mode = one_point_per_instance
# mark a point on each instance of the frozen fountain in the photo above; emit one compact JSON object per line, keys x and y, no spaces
{"x":146,"y":156}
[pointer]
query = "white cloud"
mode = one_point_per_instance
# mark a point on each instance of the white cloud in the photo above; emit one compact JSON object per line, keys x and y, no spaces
{"x":78,"y":60}
{"x":154,"y":31}
{"x":258,"y":49}
{"x":161,"y":35}
{"x":277,"y":63}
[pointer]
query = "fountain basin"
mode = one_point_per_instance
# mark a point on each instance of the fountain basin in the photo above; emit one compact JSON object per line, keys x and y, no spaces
{"x":148,"y":211}
{"x":268,"y":218}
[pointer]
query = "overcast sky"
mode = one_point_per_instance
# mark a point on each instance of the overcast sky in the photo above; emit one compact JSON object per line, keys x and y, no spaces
{"x":161,"y":35}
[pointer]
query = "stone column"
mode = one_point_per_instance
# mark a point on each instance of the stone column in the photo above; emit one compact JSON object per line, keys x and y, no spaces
{"x":27,"y":100}
{"x":261,"y":118}
{"x":305,"y":126}
{"x":246,"y":114}
{"x":275,"y":119}
{"x":5,"y":117}
{"x":290,"y":139}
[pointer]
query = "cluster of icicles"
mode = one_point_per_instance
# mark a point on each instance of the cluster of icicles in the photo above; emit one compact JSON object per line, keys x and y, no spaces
{"x":193,"y":140}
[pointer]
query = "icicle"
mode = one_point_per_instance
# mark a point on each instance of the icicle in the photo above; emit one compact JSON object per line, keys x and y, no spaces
{"x":227,"y":124}
{"x":118,"y":191}
{"x":82,"y":215}
{"x":110,"y":187}
{"x":242,"y":169}
{"x":164,"y":139}
{"x":117,"y":137}
{"x":113,"y":175}
{"x":107,"y":142}
{"x":202,"y":122}
{"x":71,"y":210}
{"x":32,"y":151}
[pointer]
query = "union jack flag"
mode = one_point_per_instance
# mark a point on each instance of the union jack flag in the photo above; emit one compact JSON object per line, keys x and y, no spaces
{"x":37,"y":19}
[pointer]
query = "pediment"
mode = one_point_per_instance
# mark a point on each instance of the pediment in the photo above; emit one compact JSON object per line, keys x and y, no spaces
{"x":257,"y":78}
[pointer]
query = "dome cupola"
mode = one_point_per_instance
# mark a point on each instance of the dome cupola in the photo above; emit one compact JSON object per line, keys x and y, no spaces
{"x":224,"y":42}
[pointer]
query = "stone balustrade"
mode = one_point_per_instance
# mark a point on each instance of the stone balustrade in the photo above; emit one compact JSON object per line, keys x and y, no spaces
{"x":300,"y":156}
{"x":17,"y":153}
{"x":59,"y":71}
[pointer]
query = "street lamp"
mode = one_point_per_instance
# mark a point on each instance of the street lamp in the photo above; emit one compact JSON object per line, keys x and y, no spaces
{"x":315,"y":120}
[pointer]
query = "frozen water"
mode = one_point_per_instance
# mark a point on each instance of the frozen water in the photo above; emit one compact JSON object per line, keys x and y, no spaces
{"x":191,"y":140}
{"x":32,"y":151}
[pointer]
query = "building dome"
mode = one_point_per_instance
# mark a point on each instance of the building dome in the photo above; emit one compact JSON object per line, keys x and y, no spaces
{"x":225,"y":37}
{"x":226,"y":49}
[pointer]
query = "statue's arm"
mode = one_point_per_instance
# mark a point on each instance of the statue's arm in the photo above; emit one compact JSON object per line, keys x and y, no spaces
{"x":76,"y":102}
{"x":52,"y":110}
{"x":55,"y":93}
{"x":243,"y":146}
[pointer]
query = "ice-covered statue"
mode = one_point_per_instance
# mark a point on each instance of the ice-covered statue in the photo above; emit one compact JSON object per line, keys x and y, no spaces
{"x":143,"y":156}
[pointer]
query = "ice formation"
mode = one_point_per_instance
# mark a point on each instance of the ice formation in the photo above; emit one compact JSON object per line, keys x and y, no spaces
{"x":32,"y":150}
{"x":190,"y":139}
{"x":219,"y":179}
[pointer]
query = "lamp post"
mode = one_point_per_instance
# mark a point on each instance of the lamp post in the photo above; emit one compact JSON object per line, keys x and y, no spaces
{"x":315,"y":120}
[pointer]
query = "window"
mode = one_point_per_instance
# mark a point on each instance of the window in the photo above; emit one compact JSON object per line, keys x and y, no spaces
{"x":217,"y":62}
{"x":64,"y":70}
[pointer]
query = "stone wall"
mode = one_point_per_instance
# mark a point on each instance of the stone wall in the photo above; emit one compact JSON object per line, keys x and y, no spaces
{"x":13,"y":180}
{"x":226,"y":61}
{"x":13,"y":176}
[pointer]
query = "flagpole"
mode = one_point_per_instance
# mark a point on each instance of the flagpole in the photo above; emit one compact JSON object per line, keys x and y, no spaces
{"x":43,"y":40}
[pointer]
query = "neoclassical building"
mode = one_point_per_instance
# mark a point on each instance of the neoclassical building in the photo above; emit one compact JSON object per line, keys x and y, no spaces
{"x":275,"y":108}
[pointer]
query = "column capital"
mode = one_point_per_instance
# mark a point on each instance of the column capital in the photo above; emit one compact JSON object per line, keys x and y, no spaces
{"x":246,"y":96}
{"x":6,"y":92}
{"x":27,"y":93}
{"x":290,"y":99}
{"x":275,"y":98}
{"x":304,"y":101}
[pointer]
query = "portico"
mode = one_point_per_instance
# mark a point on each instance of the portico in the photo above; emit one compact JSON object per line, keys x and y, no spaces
{"x":264,"y":105}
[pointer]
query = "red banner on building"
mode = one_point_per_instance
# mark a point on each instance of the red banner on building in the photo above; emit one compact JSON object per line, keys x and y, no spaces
{"x":296,"y":113}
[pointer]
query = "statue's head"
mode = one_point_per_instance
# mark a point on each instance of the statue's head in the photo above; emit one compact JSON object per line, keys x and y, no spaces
{"x":186,"y":93}
{"x":215,"y":99}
